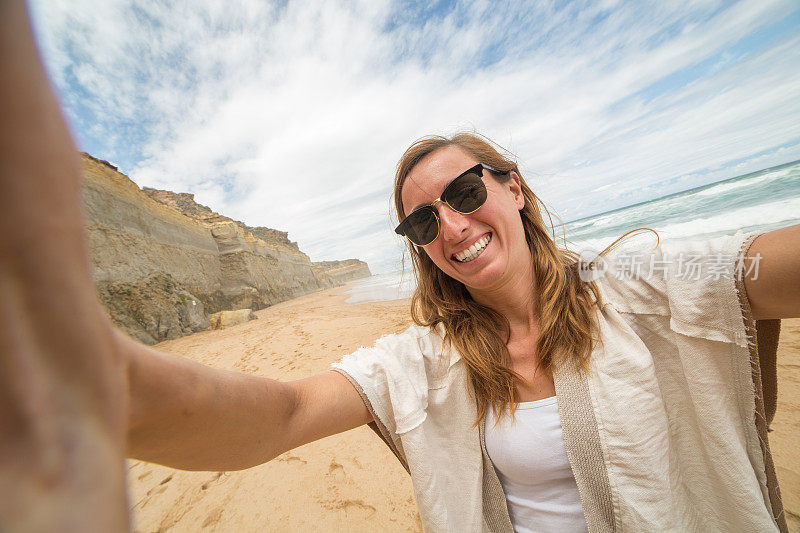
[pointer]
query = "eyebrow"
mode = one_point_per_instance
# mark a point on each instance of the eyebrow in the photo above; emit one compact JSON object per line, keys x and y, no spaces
{"x":423,"y":190}
{"x":418,"y":206}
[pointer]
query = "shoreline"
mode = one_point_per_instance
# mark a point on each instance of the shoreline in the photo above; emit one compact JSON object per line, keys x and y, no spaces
{"x":349,"y":481}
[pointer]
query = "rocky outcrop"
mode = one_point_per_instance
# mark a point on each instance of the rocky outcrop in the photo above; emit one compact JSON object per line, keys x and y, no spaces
{"x":335,"y":273}
{"x":153,"y":308}
{"x":153,"y":251}
{"x":226,"y":319}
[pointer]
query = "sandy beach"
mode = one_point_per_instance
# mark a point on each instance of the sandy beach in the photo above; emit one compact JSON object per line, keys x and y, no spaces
{"x":350,"y":481}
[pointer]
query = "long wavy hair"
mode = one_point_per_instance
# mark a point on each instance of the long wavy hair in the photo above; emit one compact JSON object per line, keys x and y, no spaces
{"x":566,"y":304}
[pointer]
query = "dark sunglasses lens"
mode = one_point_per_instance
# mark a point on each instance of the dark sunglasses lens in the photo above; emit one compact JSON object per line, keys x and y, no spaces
{"x":422,"y":226}
{"x":466,"y":194}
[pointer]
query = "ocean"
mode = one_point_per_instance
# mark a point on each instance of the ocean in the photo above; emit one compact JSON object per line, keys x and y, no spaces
{"x":759,"y":201}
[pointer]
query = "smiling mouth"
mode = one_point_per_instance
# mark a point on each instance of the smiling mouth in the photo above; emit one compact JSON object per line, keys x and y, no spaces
{"x":471,"y":253}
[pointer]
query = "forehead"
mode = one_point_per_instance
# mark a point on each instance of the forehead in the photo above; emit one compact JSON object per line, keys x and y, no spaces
{"x":430,"y":176}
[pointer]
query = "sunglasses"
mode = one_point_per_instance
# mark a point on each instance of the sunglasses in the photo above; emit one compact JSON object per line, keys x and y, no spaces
{"x":465,"y":194}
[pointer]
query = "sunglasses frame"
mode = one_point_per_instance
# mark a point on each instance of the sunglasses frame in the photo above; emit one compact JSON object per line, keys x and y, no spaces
{"x":477,"y":169}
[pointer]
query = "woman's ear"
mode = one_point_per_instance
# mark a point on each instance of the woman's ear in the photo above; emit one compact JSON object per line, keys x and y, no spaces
{"x":514,"y":185}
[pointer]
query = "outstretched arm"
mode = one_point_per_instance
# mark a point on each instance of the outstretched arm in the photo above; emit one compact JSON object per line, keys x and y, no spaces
{"x":194,"y":417}
{"x":62,"y":429}
{"x":775,"y":293}
{"x":76,"y":396}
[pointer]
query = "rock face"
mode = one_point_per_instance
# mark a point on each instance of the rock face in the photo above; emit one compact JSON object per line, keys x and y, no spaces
{"x":153,"y":308}
{"x":162,"y":261}
{"x":335,"y":273}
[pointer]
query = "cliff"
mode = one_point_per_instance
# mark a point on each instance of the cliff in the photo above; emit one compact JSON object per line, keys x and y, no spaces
{"x":162,"y":262}
{"x":335,"y":273}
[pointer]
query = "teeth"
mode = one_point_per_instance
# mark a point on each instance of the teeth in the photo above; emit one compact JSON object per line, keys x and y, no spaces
{"x":473,"y":251}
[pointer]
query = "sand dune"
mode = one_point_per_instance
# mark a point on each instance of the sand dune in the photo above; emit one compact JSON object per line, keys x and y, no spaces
{"x":350,"y":481}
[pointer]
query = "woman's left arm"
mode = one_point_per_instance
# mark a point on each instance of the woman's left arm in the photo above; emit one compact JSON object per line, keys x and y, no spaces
{"x":775,"y":292}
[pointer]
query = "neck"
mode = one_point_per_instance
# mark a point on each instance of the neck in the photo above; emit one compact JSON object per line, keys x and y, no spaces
{"x":515,"y":298}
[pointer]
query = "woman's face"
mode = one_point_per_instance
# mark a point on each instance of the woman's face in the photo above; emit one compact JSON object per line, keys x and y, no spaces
{"x":497,"y":220}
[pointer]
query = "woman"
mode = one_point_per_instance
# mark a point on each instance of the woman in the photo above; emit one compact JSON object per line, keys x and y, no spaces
{"x":648,"y":370}
{"x":660,"y":427}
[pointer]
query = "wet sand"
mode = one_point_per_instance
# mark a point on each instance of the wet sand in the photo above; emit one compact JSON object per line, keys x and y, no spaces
{"x":351,"y":481}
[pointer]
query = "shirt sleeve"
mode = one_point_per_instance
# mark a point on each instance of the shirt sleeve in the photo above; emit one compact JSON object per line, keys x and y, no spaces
{"x":391,"y":377}
{"x":698,"y":284}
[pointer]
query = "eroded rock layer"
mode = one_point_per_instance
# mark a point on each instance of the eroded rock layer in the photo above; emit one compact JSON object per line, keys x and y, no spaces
{"x":335,"y":273}
{"x":162,"y":261}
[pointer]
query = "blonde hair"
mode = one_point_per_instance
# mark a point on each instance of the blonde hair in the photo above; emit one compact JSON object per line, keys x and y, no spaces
{"x":479,"y":334}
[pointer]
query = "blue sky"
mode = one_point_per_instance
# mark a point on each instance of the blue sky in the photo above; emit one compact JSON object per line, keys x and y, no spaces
{"x":292,"y":115}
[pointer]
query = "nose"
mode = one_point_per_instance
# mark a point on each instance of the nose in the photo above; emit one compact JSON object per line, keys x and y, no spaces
{"x":454,"y":224}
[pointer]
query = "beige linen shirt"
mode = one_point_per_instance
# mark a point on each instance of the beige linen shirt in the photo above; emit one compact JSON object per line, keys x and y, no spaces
{"x":666,"y":432}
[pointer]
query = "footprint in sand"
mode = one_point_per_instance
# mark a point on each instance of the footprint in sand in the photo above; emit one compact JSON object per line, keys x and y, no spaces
{"x":159,"y":490}
{"x":208,"y":483}
{"x":299,"y":332}
{"x":161,"y":486}
{"x":349,"y":506}
{"x":291,"y":458}
{"x":337,"y":477}
{"x":213,"y":517}
{"x":334,"y":466}
{"x":187,"y":501}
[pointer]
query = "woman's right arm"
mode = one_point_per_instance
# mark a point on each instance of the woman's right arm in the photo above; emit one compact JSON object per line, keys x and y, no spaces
{"x":70,"y":384}
{"x":194,"y":417}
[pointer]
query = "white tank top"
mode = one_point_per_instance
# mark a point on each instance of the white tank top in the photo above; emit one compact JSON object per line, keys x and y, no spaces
{"x":531,"y":462}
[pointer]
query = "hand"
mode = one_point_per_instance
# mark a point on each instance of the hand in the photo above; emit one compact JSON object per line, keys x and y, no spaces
{"x":63,"y":388}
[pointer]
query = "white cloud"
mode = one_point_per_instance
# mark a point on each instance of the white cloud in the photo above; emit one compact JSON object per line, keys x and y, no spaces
{"x":293,"y":115}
